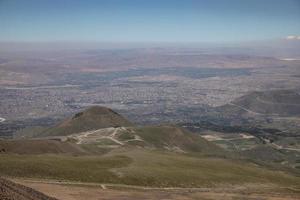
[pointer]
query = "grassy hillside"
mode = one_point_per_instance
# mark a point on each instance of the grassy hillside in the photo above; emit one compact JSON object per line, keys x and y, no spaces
{"x":29,"y":132}
{"x":95,"y":117}
{"x":83,"y":168}
{"x":167,"y":138}
{"x":143,"y":167}
{"x":279,"y":158}
{"x":172,"y":137}
{"x":169,"y":169}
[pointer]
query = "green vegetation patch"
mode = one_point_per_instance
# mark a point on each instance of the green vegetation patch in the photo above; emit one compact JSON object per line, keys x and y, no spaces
{"x":172,"y":136}
{"x":84,"y":168}
{"x":162,"y":169}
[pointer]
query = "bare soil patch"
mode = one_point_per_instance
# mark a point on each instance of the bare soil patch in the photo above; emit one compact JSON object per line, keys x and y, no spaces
{"x":95,"y":192}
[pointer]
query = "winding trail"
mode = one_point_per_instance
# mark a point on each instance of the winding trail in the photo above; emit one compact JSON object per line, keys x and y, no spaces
{"x":105,"y":133}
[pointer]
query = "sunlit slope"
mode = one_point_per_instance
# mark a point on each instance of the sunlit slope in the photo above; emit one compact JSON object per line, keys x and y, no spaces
{"x":176,"y":139}
{"x":95,"y":117}
{"x":165,"y":138}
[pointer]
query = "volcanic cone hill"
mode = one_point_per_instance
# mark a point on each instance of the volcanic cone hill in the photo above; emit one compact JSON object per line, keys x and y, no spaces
{"x":93,"y":118}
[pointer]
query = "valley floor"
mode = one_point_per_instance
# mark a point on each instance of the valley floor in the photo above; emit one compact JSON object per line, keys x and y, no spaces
{"x":83,"y":191}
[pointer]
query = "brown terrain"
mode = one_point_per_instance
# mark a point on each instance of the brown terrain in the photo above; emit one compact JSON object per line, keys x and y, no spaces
{"x":81,"y":191}
{"x":13,"y":191}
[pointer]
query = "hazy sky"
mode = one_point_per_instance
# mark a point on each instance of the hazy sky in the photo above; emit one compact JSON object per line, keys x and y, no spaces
{"x":148,"y":20}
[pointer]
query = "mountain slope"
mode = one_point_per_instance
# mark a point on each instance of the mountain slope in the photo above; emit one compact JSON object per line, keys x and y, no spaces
{"x":39,"y":147}
{"x":272,"y":103}
{"x":144,"y":167}
{"x":176,"y":139}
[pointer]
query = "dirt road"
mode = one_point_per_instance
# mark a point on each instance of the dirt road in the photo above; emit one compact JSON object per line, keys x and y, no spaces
{"x":12,"y":191}
{"x":76,"y":191}
{"x":104,"y":133}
